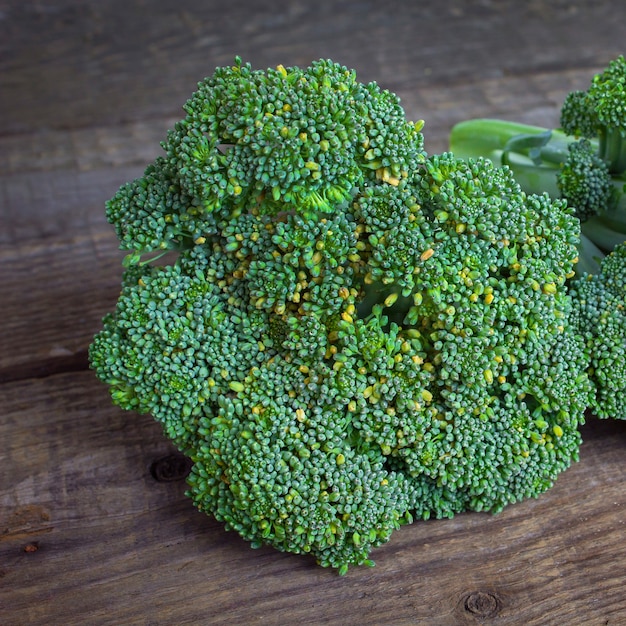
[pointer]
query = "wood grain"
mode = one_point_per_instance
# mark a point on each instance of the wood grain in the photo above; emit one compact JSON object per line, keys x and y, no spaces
{"x":122,"y":61}
{"x":88,"y":535}
{"x":110,"y":541}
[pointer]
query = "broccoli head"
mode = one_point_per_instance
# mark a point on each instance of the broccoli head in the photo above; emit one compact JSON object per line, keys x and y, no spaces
{"x":341,"y":353}
{"x":282,"y":139}
{"x":600,"y":316}
{"x":599,"y":113}
{"x":584,"y":181}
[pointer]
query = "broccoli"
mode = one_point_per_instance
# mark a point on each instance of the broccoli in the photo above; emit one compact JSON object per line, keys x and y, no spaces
{"x":599,"y":314}
{"x":583,"y":161}
{"x":351,"y":333}
{"x":598,"y":113}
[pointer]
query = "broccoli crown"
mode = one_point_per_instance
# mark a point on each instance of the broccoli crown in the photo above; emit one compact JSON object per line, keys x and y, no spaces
{"x":283,"y":139}
{"x":599,"y":112}
{"x":388,"y":340}
{"x":585,"y":182}
{"x":492,"y":314}
{"x":301,"y":137}
{"x":600,"y":316}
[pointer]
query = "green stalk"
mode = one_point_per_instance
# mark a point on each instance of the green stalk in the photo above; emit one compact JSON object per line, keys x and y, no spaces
{"x":589,"y":257}
{"x":612,"y":149}
{"x":602,"y":234}
{"x":491,"y":138}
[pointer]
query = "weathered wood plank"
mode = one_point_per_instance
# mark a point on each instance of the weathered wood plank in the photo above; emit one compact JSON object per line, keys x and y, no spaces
{"x":533,"y":99}
{"x":88,"y":536}
{"x":121,"y":61}
{"x":59,"y":265}
{"x":82,"y":149}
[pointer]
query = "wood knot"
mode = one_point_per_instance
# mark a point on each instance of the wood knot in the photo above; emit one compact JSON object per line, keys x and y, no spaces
{"x":31,"y":547}
{"x":170,"y":468}
{"x":482,"y":604}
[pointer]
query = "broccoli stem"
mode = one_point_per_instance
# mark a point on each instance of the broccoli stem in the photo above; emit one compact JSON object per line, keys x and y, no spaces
{"x":491,"y":138}
{"x":597,"y":229}
{"x":589,"y":258}
{"x":612,"y":149}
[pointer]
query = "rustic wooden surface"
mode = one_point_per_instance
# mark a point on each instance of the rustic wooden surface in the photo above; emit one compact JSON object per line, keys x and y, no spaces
{"x":94,"y":524}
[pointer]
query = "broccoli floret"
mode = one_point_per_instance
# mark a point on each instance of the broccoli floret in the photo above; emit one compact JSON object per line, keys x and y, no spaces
{"x":339,"y":354}
{"x":599,"y":113}
{"x":584,"y":161}
{"x":492,"y":314}
{"x":304,"y":138}
{"x":153,"y":213}
{"x":600,"y":316}
{"x":578,"y":118}
{"x":280,"y":464}
{"x":584,"y":181}
{"x":176,"y":343}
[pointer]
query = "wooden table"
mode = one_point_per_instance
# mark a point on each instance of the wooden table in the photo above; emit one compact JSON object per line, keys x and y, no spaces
{"x":94,"y":524}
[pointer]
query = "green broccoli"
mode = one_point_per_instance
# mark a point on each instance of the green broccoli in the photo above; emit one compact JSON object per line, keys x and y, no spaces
{"x":584,"y":161}
{"x":598,"y":113}
{"x":584,"y":181}
{"x":353,"y":334}
{"x":599,"y":303}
